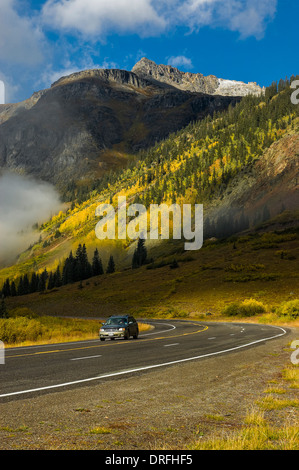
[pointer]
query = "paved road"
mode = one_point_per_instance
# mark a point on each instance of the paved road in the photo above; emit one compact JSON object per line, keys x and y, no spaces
{"x":40,"y":369}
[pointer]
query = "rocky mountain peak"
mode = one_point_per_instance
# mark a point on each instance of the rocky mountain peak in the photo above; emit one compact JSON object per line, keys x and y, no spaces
{"x":194,"y":82}
{"x":108,"y":76}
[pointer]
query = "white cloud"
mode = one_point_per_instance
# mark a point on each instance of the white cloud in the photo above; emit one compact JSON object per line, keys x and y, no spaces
{"x":180,"y":61}
{"x":50,"y":75}
{"x":252,"y":20}
{"x":248,"y":17}
{"x":96,"y":18}
{"x":20,"y":37}
{"x":99,"y":18}
{"x":10,"y":89}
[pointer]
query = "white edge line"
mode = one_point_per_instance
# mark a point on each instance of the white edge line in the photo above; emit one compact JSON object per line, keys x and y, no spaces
{"x":85,"y":357}
{"x":158,"y":332}
{"x":114,"y":374}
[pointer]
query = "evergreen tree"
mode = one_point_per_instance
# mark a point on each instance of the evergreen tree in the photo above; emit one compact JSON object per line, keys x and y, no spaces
{"x":82,"y":268}
{"x":41,"y":284}
{"x":42,"y":281}
{"x":20,"y":290}
{"x":111,"y":265}
{"x":26,"y":285}
{"x":37,"y":281}
{"x":13,"y":290}
{"x":51,"y":283}
{"x":68,"y":271}
{"x":77,"y":264}
{"x":97,"y":267}
{"x":57,"y":281}
{"x":140,"y":254}
{"x":6,"y":289}
{"x":33,"y":282}
{"x":135,"y":260}
{"x":87,"y":270}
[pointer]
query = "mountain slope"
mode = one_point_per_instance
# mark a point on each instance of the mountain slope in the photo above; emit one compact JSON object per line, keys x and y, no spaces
{"x":242,"y":165}
{"x":88,"y":123}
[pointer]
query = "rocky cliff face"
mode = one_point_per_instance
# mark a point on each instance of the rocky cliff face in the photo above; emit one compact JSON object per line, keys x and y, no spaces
{"x":81,"y":125}
{"x":272,"y":183}
{"x":194,"y":82}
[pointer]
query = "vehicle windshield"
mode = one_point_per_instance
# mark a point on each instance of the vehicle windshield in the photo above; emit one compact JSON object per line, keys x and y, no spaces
{"x":116,"y":321}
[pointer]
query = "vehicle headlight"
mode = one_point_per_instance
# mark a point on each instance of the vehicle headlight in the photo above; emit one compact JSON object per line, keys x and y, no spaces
{"x":102,"y":329}
{"x":121,"y":329}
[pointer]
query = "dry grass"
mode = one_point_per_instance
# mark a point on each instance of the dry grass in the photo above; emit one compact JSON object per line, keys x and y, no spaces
{"x":255,"y":434}
{"x":258,"y":431}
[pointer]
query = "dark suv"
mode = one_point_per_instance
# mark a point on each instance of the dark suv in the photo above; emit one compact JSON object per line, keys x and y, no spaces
{"x":120,"y":326}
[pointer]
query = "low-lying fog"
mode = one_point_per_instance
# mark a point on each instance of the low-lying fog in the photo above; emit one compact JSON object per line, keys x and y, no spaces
{"x":23,"y":203}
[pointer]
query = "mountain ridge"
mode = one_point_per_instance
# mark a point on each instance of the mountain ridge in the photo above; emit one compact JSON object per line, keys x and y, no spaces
{"x":145,"y":74}
{"x":194,"y":82}
{"x":88,"y":123}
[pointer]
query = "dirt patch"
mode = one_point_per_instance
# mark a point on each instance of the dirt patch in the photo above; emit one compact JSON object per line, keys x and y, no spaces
{"x":167,"y":408}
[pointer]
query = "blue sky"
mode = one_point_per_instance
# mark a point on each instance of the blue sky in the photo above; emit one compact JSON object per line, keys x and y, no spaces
{"x":247,"y":40}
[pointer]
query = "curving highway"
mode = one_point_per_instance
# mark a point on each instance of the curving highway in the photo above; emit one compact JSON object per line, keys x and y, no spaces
{"x":28,"y":371}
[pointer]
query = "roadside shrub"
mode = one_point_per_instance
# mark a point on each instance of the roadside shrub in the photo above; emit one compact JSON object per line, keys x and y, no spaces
{"x":20,"y":329}
{"x":289,"y":309}
{"x":246,"y":308}
{"x":22,"y":312}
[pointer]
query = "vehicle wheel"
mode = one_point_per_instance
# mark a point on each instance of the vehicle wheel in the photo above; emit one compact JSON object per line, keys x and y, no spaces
{"x":136,"y":335}
{"x":112,"y":339}
{"x":126,"y":336}
{"x":102,"y":339}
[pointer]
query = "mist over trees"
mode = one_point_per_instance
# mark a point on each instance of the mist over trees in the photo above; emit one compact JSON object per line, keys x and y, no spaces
{"x":24,"y":202}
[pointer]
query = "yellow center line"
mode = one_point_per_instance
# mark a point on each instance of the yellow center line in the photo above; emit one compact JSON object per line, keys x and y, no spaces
{"x":107,"y":345}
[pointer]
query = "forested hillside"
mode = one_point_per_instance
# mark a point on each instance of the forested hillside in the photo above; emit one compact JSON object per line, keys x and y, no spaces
{"x":199,"y":164}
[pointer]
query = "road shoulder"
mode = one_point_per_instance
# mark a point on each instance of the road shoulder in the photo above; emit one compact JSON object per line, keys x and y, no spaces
{"x":168,"y":408}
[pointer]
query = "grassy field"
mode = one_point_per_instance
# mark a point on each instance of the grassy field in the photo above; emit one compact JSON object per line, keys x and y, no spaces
{"x":200,"y":285}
